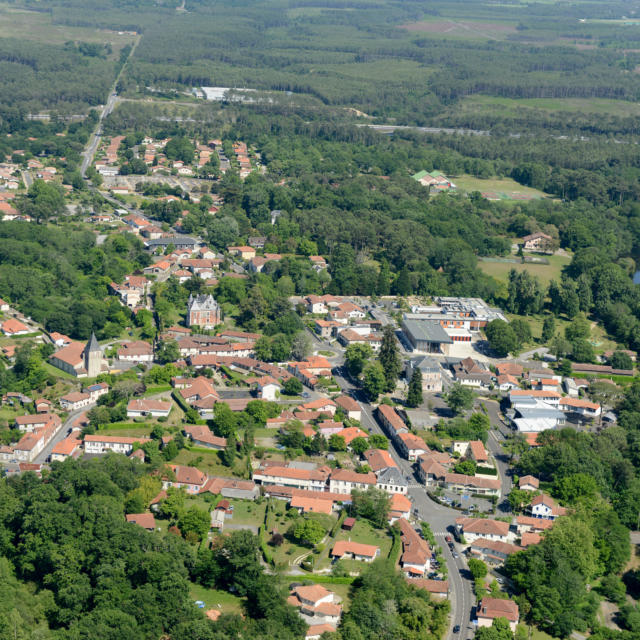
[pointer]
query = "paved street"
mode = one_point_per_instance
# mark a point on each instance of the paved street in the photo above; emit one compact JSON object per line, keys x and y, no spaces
{"x":61,"y":434}
{"x":440,"y":518}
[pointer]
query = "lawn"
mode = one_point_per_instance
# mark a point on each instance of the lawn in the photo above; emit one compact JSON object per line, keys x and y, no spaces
{"x":127,"y":431}
{"x":537,"y":634}
{"x":214,"y":597}
{"x":545,"y":272}
{"x":498,"y":188}
{"x":59,"y":373}
{"x":207,"y":461}
{"x":247,"y":512}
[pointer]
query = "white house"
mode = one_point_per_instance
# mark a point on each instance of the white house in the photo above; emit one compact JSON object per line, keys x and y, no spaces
{"x":97,"y":444}
{"x":140,"y":407}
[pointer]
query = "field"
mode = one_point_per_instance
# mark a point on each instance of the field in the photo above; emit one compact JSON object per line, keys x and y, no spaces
{"x":498,"y":188}
{"x":214,"y":599}
{"x":38,"y":26}
{"x":510,"y":106}
{"x":207,"y":461}
{"x":545,"y":272}
{"x":462,"y":28}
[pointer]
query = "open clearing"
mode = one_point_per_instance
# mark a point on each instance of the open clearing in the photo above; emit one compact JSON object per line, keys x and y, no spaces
{"x":579,"y":105}
{"x":37,"y":26}
{"x":462,"y":29}
{"x":545,"y":272}
{"x":498,"y":188}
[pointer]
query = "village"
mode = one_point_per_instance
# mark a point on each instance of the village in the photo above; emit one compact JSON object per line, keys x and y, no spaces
{"x":328,"y":474}
{"x":295,"y":450}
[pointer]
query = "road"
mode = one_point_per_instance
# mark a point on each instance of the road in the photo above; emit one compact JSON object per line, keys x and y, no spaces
{"x":94,"y":140}
{"x":497,"y":434}
{"x":61,"y":434}
{"x":440,"y":518}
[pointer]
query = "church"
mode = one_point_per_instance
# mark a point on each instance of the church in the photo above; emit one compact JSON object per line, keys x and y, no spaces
{"x":79,"y":359}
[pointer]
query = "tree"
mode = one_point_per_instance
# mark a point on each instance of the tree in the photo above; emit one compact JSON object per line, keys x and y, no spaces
{"x":173,"y":505}
{"x":337,"y":442}
{"x":356,"y":356}
{"x":228,"y":455}
{"x":292,"y":387}
{"x":564,"y":368}
{"x":519,"y":499}
{"x":374,"y":380}
{"x":621,"y":360}
{"x":308,"y":531}
{"x":358,"y":445}
{"x":372,"y":504}
{"x":195,"y":521}
{"x":477,"y":568}
{"x":522,"y":329}
{"x":459,"y":398}
{"x":389,"y":357}
{"x":378,"y":441}
{"x":414,"y":395}
{"x":548,"y":328}
{"x":502,"y":338}
{"x":525,"y":293}
{"x":466,"y":467}
{"x":168,"y":351}
{"x":499,"y":630}
{"x":301,"y":346}
{"x":44,"y":201}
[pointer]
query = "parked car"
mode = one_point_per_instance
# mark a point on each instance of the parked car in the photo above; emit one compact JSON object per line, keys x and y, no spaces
{"x":456,"y":629}
{"x":448,"y":538}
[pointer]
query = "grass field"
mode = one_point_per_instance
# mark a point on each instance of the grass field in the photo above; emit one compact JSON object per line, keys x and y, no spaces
{"x":509,"y":106}
{"x":545,"y":272}
{"x":498,"y":188}
{"x":207,"y":461}
{"x":465,"y":29}
{"x":247,"y":512}
{"x":38,"y":26}
{"x":214,"y":597}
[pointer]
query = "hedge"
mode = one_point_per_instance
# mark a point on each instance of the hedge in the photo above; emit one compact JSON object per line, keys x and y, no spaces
{"x":180,"y":401}
{"x":487,"y":471}
{"x":266,"y":554}
{"x":396,"y":547}
{"x":159,"y":389}
{"x":338,"y":524}
{"x":330,"y":579}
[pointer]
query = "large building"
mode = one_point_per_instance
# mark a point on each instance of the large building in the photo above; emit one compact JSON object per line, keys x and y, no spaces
{"x":203,"y":311}
{"x":426,"y":336}
{"x":82,"y":361}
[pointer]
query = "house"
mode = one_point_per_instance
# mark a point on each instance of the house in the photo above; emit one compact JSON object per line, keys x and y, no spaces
{"x":416,"y":554}
{"x":75,"y":400}
{"x":345,"y":481}
{"x":190,"y":479}
{"x":528,"y":483}
{"x":438,"y":589}
{"x":246,"y":253}
{"x":474,"y":528}
{"x":491,"y":608}
{"x":462,"y":483}
{"x":268,"y":388}
{"x":411,"y":446}
{"x":144,"y":520}
{"x":33,"y":442}
{"x":312,"y":479}
{"x":509,"y":369}
{"x":202,"y":436}
{"x":350,"y":407}
{"x":477,"y":452}
{"x":140,"y":407}
{"x":324,"y":405}
{"x":43,"y":405}
{"x":492,"y":551}
{"x":530,"y":539}
{"x":66,"y":448}
{"x":582,"y":407}
{"x":529,"y":524}
{"x":315,"y":631}
{"x":570,"y":387}
{"x":203,"y":311}
{"x":311,"y":505}
{"x":97,"y":390}
{"x":543,"y":506}
{"x":536,"y":241}
{"x":354,"y":551}
{"x":471,"y":373}
{"x":38,"y":421}
{"x":520,"y":396}
{"x":316,"y":605}
{"x":136,"y":351}
{"x":430,"y":370}
{"x":232,"y":488}
{"x":351,"y":433}
{"x":13,"y":327}
{"x":507,"y":382}
{"x":98,"y":444}
{"x":378,"y":460}
{"x":392,"y":481}
{"x":391,"y":422}
{"x":4,"y":306}
{"x":399,"y":507}
{"x":430,"y":471}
